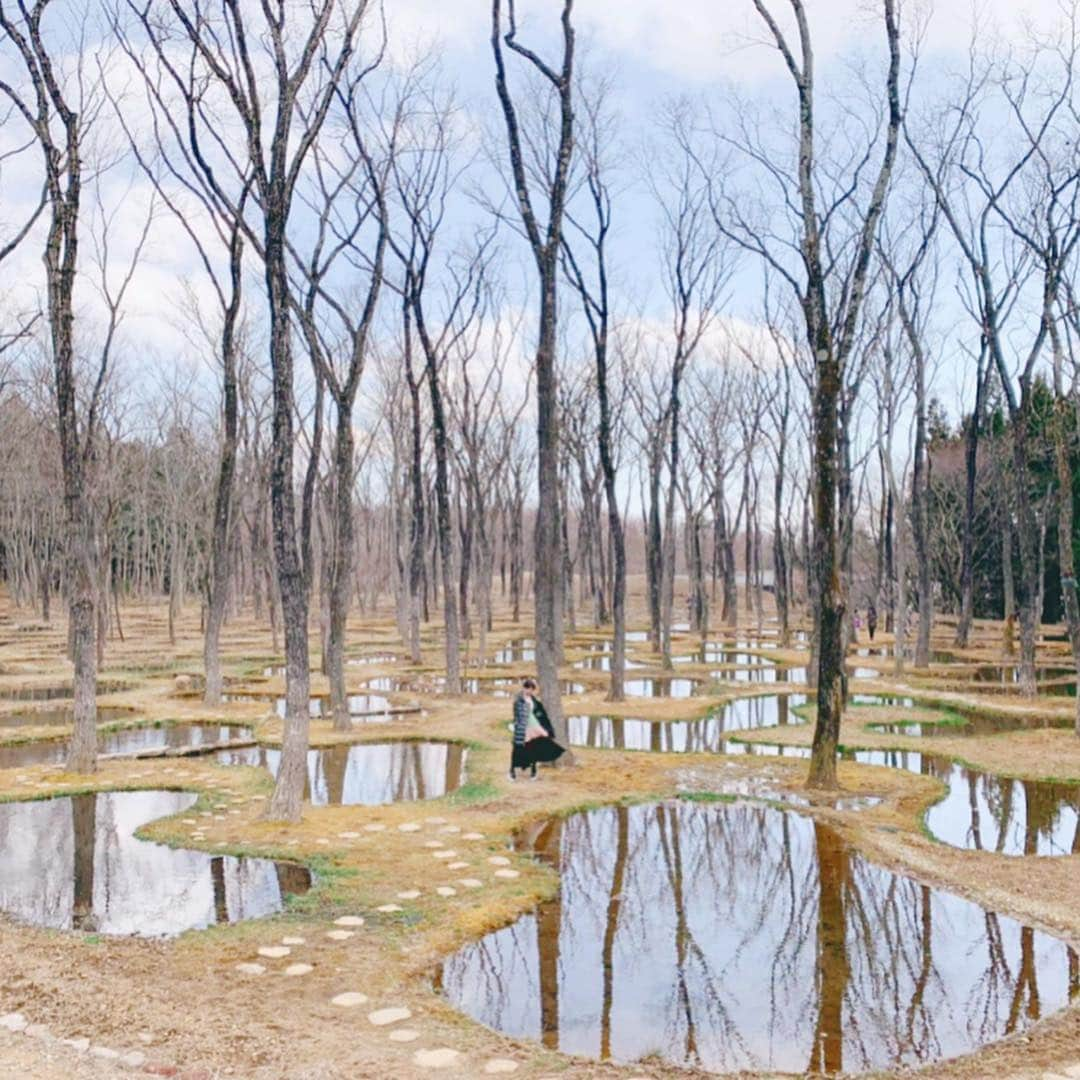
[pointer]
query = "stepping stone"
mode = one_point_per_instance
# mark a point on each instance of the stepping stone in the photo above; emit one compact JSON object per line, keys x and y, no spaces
{"x":443,"y":1058}
{"x":135,"y":1060}
{"x":275,"y":952}
{"x":433,"y":843}
{"x":298,"y":969}
{"x":385,"y":1017}
{"x":389,"y":909}
{"x":349,"y":920}
{"x":404,"y":1035}
{"x":292,"y":941}
{"x":499,"y":860}
{"x":507,"y":874}
{"x":457,"y":866}
{"x":472,"y":836}
{"x":349,"y":1000}
{"x":250,"y":969}
{"x":340,"y":935}
{"x":445,"y":890}
{"x":471,"y":883}
{"x":1073,"y":1072}
{"x":409,"y":894}
{"x":451,"y":829}
{"x":436,"y":821}
{"x":446,"y":853}
{"x":322,"y":840}
{"x":80,"y":1046}
{"x":348,"y":835}
{"x":409,"y":826}
{"x":104,"y":1053}
{"x":497,"y":1066}
{"x":13,"y":1021}
{"x":189,"y":821}
{"x":375,"y":827}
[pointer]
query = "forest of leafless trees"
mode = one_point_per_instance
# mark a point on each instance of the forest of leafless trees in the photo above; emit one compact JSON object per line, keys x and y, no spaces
{"x":290,"y":326}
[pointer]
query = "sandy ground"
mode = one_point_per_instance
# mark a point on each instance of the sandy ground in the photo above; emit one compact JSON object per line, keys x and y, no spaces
{"x":183,"y":1007}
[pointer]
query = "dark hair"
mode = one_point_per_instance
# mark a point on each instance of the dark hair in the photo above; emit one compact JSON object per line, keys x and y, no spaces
{"x":528,"y":684}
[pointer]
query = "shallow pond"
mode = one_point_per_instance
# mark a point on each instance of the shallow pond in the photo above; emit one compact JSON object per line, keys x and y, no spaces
{"x":128,"y":741}
{"x":707,"y":735}
{"x":62,"y":717}
{"x":516,"y":651}
{"x":735,"y":937}
{"x":982,"y":811}
{"x":368,"y":774}
{"x":662,"y":687}
{"x":74,"y":863}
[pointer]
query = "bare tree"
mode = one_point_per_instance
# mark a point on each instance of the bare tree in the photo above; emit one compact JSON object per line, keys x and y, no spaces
{"x":545,"y":241}
{"x":821,"y":196}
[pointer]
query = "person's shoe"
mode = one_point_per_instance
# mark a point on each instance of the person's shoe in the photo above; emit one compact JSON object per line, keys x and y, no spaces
{"x":511,"y":776}
{"x":534,"y":776}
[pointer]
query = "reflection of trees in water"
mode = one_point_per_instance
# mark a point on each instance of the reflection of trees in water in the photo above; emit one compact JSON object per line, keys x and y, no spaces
{"x":745,"y":937}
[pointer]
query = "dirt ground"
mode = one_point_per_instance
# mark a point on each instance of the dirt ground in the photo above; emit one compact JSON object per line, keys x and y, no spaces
{"x":181,"y":1007}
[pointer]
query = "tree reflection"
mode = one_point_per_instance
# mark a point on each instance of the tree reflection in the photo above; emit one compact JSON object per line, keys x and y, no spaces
{"x":743,"y":937}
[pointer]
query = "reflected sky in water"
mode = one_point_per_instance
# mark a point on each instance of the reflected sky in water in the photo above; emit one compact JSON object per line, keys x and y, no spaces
{"x":369,"y":774}
{"x":743,"y":937}
{"x":74,"y":863}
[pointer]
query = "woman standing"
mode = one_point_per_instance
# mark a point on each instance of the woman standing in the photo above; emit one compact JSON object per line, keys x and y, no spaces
{"x":534,"y":737}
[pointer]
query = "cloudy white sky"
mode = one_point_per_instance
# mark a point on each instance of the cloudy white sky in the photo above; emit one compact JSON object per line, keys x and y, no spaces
{"x":696,"y":48}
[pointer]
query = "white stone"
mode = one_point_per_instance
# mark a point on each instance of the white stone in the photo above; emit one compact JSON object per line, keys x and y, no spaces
{"x":274,"y":952}
{"x":389,"y":909}
{"x":375,"y":827}
{"x":472,"y":836}
{"x":322,"y":840}
{"x":507,"y":874}
{"x":80,"y":1046}
{"x":409,"y":826}
{"x":348,"y":835}
{"x":13,"y":1021}
{"x":1073,"y":1072}
{"x":457,"y":866}
{"x":497,"y":1066}
{"x":349,"y":920}
{"x":471,"y":883}
{"x":38,"y":1031}
{"x":433,"y":843}
{"x":340,"y":935}
{"x":250,"y":969}
{"x":294,"y":970}
{"x":436,"y":821}
{"x":385,"y":1017}
{"x":105,"y":1053}
{"x":442,"y":1058}
{"x":404,"y":1035}
{"x":446,"y":853}
{"x":135,"y":1060}
{"x":450,"y":829}
{"x":349,"y":1000}
{"x":445,"y":890}
{"x":292,"y":941}
{"x":499,"y":860}
{"x":408,"y":894}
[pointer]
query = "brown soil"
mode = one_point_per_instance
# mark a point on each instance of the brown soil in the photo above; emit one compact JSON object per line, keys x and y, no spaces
{"x":184,"y":1004}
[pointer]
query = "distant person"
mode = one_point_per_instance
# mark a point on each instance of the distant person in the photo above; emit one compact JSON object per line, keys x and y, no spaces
{"x":534,"y":737}
{"x":871,"y":620}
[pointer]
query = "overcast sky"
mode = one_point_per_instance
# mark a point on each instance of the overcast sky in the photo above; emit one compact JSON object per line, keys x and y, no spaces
{"x":696,"y":48}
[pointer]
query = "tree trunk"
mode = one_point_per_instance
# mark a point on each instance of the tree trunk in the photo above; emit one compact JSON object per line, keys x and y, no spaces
{"x":341,"y":565}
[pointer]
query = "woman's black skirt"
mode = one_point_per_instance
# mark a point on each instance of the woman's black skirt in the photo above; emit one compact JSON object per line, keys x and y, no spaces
{"x":535,"y":751}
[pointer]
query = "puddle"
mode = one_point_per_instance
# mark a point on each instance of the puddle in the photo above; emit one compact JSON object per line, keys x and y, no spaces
{"x":727,"y":938}
{"x":603,"y":661}
{"x":516,"y":651}
{"x":982,"y":811}
{"x":57,"y":691}
{"x":74,"y":863}
{"x":65,"y":717}
{"x":662,"y":687}
{"x":361,"y":706}
{"x":766,"y":675}
{"x":129,"y":741}
{"x":368,"y":774}
{"x":707,"y":735}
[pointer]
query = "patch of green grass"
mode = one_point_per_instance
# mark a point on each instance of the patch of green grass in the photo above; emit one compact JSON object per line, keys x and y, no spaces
{"x":706,"y":797}
{"x":475,"y":791}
